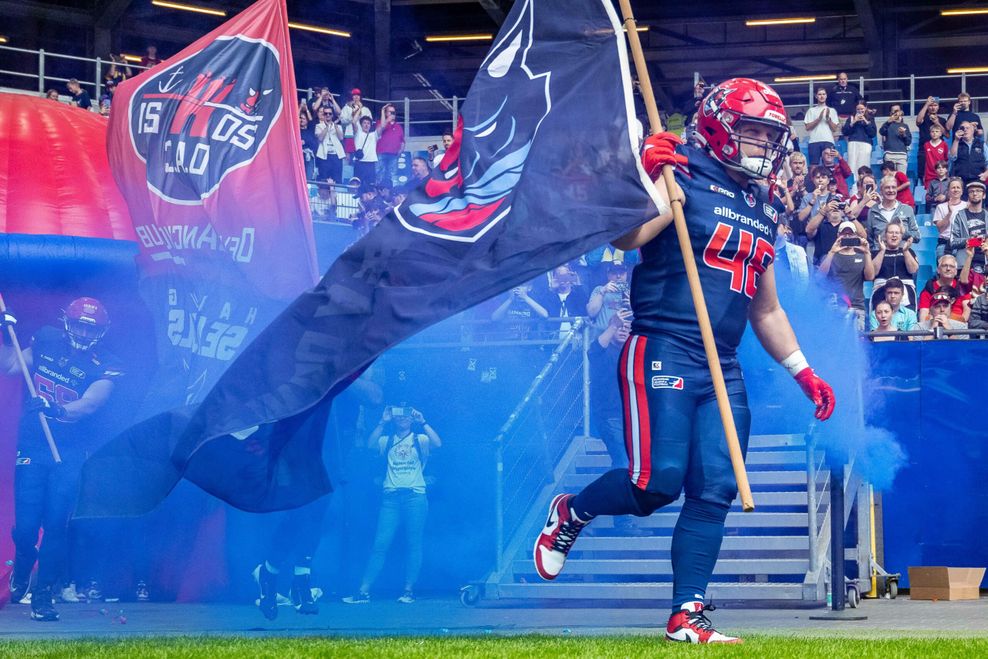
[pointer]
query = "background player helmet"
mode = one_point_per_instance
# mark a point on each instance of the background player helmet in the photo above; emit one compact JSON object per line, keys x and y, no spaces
{"x":86,"y":321}
{"x":726,"y":109}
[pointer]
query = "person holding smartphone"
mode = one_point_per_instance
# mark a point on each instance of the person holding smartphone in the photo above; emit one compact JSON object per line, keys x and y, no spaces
{"x":849,"y":264}
{"x":928,"y":117}
{"x":405,"y":440}
{"x":962,"y":113}
{"x":860,"y":131}
{"x":896,"y":138}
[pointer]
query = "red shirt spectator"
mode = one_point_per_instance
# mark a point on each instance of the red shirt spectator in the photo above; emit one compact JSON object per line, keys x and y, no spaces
{"x":392,"y":138}
{"x":838,"y":168}
{"x":936,"y":151}
{"x":905,"y":194}
{"x":946,"y":278}
{"x":151,"y":58}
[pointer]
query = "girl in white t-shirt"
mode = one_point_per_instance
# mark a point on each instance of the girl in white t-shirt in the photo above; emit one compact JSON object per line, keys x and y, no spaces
{"x":365,"y":155}
{"x":944,"y":213}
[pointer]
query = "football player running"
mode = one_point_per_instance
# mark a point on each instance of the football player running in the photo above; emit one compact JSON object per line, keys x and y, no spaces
{"x":73,"y":380}
{"x":673,"y":432}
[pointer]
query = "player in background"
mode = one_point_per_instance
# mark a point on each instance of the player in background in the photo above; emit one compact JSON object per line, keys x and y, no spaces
{"x":73,"y":380}
{"x":673,"y":431}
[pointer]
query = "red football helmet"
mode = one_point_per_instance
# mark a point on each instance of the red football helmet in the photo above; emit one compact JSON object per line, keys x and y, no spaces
{"x":730,"y":106}
{"x":86,"y":321}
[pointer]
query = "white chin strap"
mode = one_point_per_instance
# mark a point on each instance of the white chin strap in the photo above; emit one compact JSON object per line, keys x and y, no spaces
{"x":756,"y":167}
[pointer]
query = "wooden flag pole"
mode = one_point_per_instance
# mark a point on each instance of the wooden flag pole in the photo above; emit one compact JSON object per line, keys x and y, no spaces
{"x":692,"y":275}
{"x":30,"y":384}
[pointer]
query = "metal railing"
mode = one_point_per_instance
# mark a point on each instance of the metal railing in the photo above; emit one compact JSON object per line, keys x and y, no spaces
{"x":910,"y":91}
{"x":936,"y":333}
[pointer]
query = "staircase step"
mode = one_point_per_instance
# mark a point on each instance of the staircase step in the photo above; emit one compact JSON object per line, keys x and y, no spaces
{"x":755,"y":442}
{"x":588,"y":566}
{"x":647,"y":591}
{"x":664,"y":543}
{"x":738,"y":520}
{"x":574,"y":482}
{"x":602,"y":461}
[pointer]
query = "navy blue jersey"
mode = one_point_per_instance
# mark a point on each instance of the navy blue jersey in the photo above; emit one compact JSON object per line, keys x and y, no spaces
{"x":732,"y":230}
{"x":62,"y":374}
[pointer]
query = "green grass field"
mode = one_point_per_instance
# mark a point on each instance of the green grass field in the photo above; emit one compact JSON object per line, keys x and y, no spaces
{"x":516,"y":646}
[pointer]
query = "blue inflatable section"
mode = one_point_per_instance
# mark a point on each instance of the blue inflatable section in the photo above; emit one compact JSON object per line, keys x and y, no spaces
{"x":932,"y":397}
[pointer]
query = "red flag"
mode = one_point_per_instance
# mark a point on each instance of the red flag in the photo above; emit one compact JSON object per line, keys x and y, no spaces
{"x":205,"y":148}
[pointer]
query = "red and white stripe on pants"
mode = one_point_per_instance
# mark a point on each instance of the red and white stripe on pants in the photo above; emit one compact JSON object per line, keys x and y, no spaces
{"x":637,"y":429}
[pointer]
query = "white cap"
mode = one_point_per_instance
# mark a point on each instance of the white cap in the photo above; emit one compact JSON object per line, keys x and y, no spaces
{"x":847,"y":225}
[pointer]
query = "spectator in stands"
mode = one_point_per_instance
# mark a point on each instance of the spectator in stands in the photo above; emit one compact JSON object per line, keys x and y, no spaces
{"x":310,"y":145}
{"x":821,"y":123}
{"x":325,"y":99}
{"x":435,"y":153}
{"x":882,"y":322}
{"x":903,"y":185}
{"x":943,"y":216}
{"x":420,"y":172}
{"x":150,"y":57}
{"x":866,"y":198}
{"x":824,"y":233}
{"x":323,"y":204}
{"x":928,"y":117}
{"x":961,"y":113}
{"x":566,"y":297}
{"x":79,"y":95}
{"x":607,"y":299}
{"x":939,"y":317}
{"x":603,"y":355}
{"x":973,"y":273}
{"x":891,"y":209}
{"x":968,"y":224}
{"x":894,"y":257}
{"x":365,"y":155}
{"x":902,"y":317}
{"x":848,"y":262}
{"x":520,"y":312}
{"x":405,"y":440}
{"x":118,"y":71}
{"x":843,"y":97}
{"x":390,"y":144}
{"x":839,"y":170}
{"x":350,"y":117}
{"x":938,"y":188}
{"x":52,"y":94}
{"x":812,"y":201}
{"x":967,"y":154}
{"x":896,"y":139}
{"x":946,"y":279}
{"x":860,"y":131}
{"x":978,"y":316}
{"x":329,"y":151}
{"x":935,"y":152}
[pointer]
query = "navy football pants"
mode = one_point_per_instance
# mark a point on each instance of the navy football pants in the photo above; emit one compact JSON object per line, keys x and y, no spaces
{"x":675,"y":442}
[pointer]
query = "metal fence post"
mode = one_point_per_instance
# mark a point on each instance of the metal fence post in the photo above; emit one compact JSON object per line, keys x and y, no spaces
{"x":912,"y":95}
{"x":499,"y":505}
{"x":456,"y":112}
{"x":586,"y":379}
{"x":41,"y":71}
{"x":408,"y":122}
{"x":964,"y":82}
{"x":861,"y":87}
{"x":99,"y":64}
{"x":812,"y":100}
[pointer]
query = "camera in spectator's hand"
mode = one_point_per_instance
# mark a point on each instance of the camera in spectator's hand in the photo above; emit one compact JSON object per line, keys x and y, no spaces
{"x":400,"y":411}
{"x":433,"y":148}
{"x":852,"y":241}
{"x":975,"y":242}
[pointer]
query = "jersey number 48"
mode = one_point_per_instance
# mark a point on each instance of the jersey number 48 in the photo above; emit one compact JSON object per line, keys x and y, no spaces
{"x":747,"y":262}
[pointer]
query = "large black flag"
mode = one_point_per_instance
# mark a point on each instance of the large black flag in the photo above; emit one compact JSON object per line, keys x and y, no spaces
{"x":543,"y":169}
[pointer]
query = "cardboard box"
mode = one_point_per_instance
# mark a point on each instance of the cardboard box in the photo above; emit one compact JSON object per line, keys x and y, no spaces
{"x":945,"y":583}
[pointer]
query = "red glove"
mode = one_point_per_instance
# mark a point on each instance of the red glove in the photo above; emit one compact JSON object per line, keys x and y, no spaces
{"x":659,"y":150}
{"x":818,"y":391}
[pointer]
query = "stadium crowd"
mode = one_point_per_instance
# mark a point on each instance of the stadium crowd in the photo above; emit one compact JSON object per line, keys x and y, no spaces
{"x":891,"y":215}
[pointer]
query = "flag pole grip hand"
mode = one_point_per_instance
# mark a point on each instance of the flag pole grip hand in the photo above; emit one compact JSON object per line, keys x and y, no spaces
{"x":692,"y":274}
{"x":16,"y":345}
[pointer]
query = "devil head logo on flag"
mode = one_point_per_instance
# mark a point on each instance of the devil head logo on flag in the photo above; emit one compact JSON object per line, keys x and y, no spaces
{"x":472,"y":188}
{"x":198,"y":119}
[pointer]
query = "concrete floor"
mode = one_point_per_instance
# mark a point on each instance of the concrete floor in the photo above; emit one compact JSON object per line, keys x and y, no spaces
{"x":445,"y":616}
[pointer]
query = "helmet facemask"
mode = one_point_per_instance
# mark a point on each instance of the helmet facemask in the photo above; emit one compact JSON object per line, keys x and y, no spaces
{"x":764,"y":166}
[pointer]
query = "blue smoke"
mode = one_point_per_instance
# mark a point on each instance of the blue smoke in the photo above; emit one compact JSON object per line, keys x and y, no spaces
{"x":840,"y":356}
